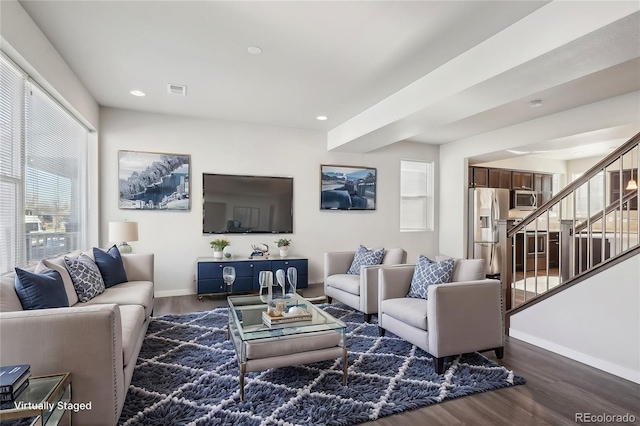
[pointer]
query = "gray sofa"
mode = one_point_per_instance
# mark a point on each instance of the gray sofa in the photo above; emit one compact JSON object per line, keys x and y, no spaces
{"x":96,"y":341}
{"x":459,"y":317}
{"x":358,"y":291}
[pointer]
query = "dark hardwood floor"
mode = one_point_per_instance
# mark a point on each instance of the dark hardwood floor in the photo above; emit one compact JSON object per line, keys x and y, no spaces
{"x":557,"y":387}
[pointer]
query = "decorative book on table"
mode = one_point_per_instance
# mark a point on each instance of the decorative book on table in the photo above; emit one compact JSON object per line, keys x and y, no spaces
{"x":12,"y":377}
{"x":287,"y":321}
{"x":10,"y":397}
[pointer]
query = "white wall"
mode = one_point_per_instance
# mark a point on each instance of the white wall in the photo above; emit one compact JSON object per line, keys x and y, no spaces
{"x":596,"y":322}
{"x":240,"y":148}
{"x":23,"y":41}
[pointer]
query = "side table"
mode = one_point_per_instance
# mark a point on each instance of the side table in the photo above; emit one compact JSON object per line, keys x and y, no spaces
{"x":42,"y":403}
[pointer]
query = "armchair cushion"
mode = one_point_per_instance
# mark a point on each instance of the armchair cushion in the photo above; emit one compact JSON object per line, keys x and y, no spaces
{"x":428,"y":272}
{"x":408,"y":310}
{"x":345,"y":282}
{"x":40,"y":291}
{"x":466,"y":269}
{"x":365,"y":257}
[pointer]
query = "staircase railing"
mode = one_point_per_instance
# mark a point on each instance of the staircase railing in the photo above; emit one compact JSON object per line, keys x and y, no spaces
{"x":591,"y":222}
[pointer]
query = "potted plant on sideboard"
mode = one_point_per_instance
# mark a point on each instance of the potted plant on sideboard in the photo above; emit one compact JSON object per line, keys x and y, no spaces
{"x":283,"y":245}
{"x":219,"y":245}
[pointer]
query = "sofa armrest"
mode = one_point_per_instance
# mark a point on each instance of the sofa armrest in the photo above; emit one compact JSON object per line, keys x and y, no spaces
{"x":337,"y":262}
{"x":464,"y":317}
{"x":85,"y":341}
{"x":139,"y":267}
{"x":394,"y":281}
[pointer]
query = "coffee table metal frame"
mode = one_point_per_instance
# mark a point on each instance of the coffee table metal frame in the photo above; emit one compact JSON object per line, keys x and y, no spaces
{"x":245,"y":325}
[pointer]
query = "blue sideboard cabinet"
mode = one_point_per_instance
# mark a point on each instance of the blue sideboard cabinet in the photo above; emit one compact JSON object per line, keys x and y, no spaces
{"x":209,"y":273}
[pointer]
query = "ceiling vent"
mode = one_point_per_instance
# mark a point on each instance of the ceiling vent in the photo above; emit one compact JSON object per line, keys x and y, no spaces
{"x":176,"y":89}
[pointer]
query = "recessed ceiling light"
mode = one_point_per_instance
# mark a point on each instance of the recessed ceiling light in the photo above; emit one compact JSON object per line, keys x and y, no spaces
{"x":254,"y":50}
{"x":535,"y":104}
{"x":322,"y":117}
{"x":138,"y":93}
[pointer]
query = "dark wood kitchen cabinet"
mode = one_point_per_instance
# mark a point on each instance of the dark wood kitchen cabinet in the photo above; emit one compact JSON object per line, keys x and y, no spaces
{"x":583,"y":256}
{"x":478,"y":177}
{"x":484,"y":177}
{"x":521,"y":180}
{"x":499,"y":178}
{"x":519,"y":252}
{"x":554,"y":249}
{"x":542,"y":184}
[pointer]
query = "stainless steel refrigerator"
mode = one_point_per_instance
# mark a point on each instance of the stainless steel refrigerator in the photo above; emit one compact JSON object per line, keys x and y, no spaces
{"x":486,"y":207}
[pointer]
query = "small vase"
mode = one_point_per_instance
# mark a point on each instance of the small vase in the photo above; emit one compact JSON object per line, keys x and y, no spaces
{"x":217,"y":254}
{"x":284,"y":251}
{"x":226,"y":252}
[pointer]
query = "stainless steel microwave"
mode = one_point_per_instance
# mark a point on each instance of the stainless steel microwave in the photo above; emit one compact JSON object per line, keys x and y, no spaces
{"x":525,"y":200}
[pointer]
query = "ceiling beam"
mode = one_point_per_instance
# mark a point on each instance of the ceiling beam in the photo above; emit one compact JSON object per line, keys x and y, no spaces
{"x":545,"y":30}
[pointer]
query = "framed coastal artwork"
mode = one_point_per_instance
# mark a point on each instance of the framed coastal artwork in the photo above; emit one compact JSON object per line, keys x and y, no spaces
{"x":153,"y":181}
{"x":347,"y":188}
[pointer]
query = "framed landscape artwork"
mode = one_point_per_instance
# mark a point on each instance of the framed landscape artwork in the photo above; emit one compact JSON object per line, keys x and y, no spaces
{"x":347,"y":188}
{"x":153,"y":181}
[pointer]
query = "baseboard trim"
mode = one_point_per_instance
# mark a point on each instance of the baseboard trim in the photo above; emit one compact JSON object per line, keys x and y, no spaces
{"x":171,"y":293}
{"x":616,"y":370}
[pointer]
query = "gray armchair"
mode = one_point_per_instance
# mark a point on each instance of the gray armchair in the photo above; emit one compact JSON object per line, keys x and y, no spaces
{"x":358,"y":291}
{"x":458,"y":317}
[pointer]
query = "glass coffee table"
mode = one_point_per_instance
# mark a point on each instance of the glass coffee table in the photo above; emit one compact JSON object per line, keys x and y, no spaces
{"x":260,"y":347}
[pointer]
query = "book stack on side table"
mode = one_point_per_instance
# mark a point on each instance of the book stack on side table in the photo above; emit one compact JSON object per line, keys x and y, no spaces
{"x":13,"y":380}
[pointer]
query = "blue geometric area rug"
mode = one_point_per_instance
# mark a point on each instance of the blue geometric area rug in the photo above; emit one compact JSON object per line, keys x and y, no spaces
{"x":187,"y":374}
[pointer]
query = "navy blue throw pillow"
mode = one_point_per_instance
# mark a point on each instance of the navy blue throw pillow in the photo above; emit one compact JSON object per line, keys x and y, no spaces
{"x":40,"y":291}
{"x":110,"y":265}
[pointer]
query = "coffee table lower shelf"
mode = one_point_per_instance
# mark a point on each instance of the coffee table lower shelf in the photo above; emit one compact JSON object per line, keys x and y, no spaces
{"x":259,"y":347}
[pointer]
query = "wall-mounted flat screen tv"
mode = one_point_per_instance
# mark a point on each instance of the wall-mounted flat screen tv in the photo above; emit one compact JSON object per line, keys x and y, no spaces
{"x":246,"y":204}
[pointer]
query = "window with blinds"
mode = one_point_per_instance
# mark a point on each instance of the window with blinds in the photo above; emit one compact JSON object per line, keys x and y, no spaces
{"x":43,"y":174}
{"x":416,"y":196}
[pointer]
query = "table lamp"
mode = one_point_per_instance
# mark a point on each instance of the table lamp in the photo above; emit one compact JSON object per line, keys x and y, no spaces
{"x":121,"y":232}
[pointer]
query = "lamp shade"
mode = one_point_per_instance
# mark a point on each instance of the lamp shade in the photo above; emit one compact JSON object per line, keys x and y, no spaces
{"x":123,"y":231}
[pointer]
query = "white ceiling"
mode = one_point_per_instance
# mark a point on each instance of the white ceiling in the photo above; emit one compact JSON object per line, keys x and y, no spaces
{"x":349,"y":60}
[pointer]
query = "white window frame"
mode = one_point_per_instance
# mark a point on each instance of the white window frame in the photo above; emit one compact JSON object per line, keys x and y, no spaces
{"x":416,"y":196}
{"x":18,"y":132}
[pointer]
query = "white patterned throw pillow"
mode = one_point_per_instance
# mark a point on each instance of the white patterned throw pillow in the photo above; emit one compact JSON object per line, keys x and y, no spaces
{"x":428,"y":272}
{"x":86,"y":277}
{"x":365,"y":257}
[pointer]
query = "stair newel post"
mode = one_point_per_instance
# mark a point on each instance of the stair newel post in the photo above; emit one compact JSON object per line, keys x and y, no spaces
{"x":566,"y":249}
{"x":506,"y":253}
